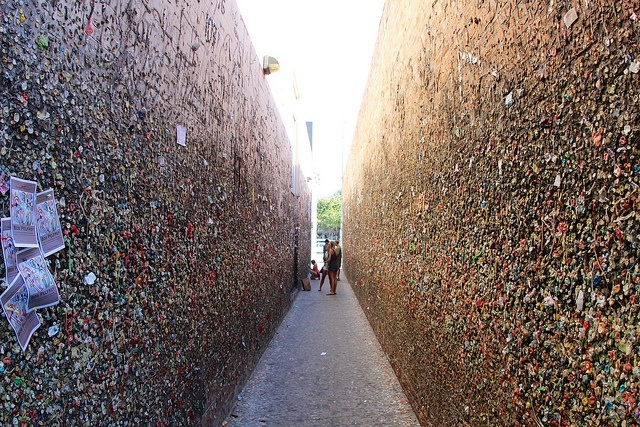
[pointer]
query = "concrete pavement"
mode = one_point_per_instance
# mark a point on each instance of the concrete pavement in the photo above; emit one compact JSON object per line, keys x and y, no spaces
{"x":324,"y":367}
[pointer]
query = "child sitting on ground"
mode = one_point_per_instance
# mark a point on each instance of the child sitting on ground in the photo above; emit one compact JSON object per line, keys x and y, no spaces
{"x":315,"y":273}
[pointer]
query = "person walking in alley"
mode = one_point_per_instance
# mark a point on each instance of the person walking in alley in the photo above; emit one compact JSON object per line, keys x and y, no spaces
{"x":334,"y":262}
{"x":325,"y":265}
{"x":338,"y":251}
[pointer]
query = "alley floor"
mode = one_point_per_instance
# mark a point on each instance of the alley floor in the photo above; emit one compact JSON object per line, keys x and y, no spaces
{"x":324,"y":367}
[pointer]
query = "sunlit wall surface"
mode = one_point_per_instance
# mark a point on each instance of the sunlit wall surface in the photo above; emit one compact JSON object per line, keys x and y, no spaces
{"x":490,"y":209}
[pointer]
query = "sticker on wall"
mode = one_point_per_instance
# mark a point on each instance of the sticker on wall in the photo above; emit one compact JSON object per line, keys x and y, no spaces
{"x":4,"y":183}
{"x":570,"y":17}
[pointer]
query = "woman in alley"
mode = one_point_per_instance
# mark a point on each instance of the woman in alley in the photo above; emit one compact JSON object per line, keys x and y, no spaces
{"x":325,"y":264}
{"x":334,"y":265}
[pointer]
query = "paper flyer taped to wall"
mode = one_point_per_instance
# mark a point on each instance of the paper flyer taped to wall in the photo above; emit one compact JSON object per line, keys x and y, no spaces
{"x":181,"y":135}
{"x":14,"y":304}
{"x":49,"y":229}
{"x":23,"y":213}
{"x":41,"y":286}
{"x":9,"y":251}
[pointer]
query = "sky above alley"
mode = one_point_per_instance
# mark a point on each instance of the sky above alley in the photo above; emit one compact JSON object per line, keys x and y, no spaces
{"x":329,"y":45}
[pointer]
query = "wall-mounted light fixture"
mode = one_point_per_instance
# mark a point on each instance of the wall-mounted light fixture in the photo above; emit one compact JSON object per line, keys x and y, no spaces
{"x":270,"y":64}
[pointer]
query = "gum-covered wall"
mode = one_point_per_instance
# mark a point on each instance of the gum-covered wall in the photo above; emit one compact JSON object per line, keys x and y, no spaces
{"x":491,"y":209}
{"x":195,"y":248}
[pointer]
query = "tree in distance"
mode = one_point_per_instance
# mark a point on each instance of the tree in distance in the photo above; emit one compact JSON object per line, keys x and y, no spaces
{"x":330,"y":215}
